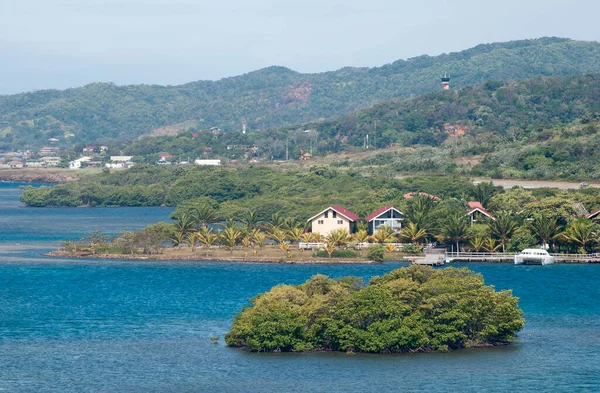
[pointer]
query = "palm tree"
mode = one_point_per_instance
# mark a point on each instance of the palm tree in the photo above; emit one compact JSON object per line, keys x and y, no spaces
{"x":339,"y":237}
{"x":190,"y":239}
{"x":483,"y":192}
{"x":204,"y":215}
{"x":276,"y":221}
{"x":580,"y":232}
{"x":291,"y":223}
{"x":477,"y":243}
{"x":177,"y":238}
{"x":503,"y":228}
{"x":207,"y":237}
{"x":285,"y":247}
{"x":247,"y":241}
{"x":490,"y":245}
{"x":250,"y":219}
{"x":361,"y":236}
{"x":330,"y":248}
{"x":420,"y":212}
{"x":384,"y":234}
{"x":545,"y":228}
{"x":389,"y":247}
{"x":456,"y":228}
{"x":278,"y":235}
{"x":183,"y":224}
{"x":294,"y":234}
{"x":412,"y":233}
{"x":260,"y":239}
{"x":230,"y":236}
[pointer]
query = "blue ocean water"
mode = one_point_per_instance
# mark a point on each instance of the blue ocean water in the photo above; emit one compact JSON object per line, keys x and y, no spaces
{"x":123,"y":326}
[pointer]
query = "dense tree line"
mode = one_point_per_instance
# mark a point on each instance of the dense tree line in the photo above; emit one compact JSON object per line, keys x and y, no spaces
{"x":275,"y":97}
{"x":415,"y":309}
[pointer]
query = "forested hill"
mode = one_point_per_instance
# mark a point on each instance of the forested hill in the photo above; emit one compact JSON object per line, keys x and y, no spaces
{"x":275,"y":96}
{"x":511,"y":111}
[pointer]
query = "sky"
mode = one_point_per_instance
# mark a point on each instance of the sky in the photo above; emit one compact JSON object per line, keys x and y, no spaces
{"x":69,"y":43}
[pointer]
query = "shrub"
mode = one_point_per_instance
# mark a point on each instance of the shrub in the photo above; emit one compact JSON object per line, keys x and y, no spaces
{"x":376,"y":253}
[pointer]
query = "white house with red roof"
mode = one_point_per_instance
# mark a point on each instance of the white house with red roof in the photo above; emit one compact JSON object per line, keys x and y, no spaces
{"x":385,"y":216}
{"x":332,"y":218}
{"x":477,"y":213}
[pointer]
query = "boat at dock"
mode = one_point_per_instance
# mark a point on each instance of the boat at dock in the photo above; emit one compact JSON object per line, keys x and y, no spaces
{"x":534,"y":256}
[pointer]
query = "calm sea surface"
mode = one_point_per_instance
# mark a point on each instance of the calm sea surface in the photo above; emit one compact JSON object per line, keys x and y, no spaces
{"x":119,"y":326}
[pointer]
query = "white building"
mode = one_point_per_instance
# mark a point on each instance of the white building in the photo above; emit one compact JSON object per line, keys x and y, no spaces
{"x":208,"y":162}
{"x":76,"y":164}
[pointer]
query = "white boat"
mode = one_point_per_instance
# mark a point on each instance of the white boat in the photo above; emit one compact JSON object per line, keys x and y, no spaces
{"x":534,"y":256}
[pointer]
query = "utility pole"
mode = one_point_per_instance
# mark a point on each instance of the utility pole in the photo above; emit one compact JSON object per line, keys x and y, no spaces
{"x":375,"y":134}
{"x":286,"y":149}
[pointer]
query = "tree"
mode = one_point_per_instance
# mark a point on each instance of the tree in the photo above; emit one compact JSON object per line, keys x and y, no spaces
{"x":230,"y":236}
{"x":544,"y":228}
{"x":294,"y":234}
{"x":207,"y":237}
{"x":330,"y":248}
{"x":413,"y":233}
{"x":279,"y":235}
{"x":183,"y":224}
{"x":456,"y":228}
{"x":580,"y":232}
{"x":285,"y":247}
{"x":503,"y":227}
{"x":490,"y":245}
{"x":361,"y":236}
{"x":477,"y":243}
{"x":390,"y":248}
{"x":339,"y":237}
{"x":250,"y":219}
{"x":484,"y":191}
{"x":376,"y":253}
{"x":384,"y":234}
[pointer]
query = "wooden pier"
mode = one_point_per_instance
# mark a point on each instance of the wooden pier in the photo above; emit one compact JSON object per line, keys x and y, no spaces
{"x":509,"y":257}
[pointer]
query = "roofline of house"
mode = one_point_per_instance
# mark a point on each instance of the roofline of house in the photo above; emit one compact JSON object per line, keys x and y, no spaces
{"x":332,"y":208}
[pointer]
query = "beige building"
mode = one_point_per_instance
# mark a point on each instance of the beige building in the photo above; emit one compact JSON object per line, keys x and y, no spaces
{"x":334,"y":217}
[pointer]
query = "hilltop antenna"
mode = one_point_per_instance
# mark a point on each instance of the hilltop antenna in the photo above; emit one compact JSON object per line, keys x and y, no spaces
{"x":243,"y":126}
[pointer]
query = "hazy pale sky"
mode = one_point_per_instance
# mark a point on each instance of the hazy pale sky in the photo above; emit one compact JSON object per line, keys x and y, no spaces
{"x":68,"y":43}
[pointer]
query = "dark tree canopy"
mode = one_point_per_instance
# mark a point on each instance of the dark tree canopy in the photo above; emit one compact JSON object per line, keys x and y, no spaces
{"x":414,"y":309}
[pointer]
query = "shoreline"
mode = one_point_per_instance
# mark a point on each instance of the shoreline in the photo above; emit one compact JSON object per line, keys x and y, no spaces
{"x":273,"y":260}
{"x":200,"y":258}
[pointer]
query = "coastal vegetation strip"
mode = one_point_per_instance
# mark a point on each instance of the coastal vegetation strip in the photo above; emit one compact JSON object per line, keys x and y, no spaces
{"x":415,"y":309}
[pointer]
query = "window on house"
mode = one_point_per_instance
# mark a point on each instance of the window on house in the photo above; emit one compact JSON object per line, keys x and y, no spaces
{"x":340,"y":222}
{"x":320,"y":222}
{"x":326,"y":214}
{"x":334,"y":214}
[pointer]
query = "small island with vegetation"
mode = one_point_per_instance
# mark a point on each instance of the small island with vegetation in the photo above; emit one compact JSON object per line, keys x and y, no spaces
{"x":413,"y":309}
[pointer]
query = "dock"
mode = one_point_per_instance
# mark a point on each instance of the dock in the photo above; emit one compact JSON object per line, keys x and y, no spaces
{"x":433,"y":257}
{"x":509,"y":257}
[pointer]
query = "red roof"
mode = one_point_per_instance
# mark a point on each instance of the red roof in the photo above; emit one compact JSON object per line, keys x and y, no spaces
{"x":594,"y":214}
{"x":165,"y":155}
{"x":91,"y":147}
{"x":379,"y":212}
{"x":195,"y":135}
{"x":345,"y":212}
{"x":410,"y":195}
{"x":341,"y":210}
{"x":474,"y":205}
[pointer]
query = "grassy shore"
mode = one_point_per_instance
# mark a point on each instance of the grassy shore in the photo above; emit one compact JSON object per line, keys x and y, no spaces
{"x":268,"y":254}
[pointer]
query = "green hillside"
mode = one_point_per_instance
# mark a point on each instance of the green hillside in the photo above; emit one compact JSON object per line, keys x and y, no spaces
{"x":273,"y":97}
{"x":538,"y":128}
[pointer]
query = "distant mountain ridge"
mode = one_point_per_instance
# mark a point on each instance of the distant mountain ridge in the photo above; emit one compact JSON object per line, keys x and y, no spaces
{"x":274,"y":96}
